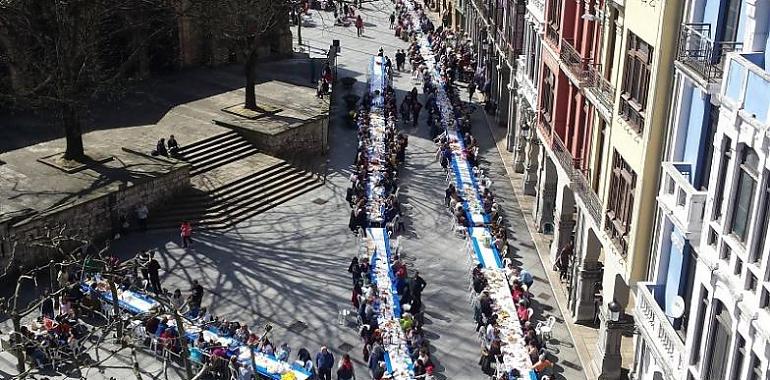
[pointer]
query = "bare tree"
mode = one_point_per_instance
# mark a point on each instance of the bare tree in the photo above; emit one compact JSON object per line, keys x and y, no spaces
{"x":243,"y":25}
{"x":70,"y":51}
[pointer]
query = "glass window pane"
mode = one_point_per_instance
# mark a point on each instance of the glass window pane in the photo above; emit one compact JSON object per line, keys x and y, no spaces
{"x":742,"y":209}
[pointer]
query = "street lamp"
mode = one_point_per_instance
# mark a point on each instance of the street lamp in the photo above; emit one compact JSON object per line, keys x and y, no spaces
{"x":614,"y":308}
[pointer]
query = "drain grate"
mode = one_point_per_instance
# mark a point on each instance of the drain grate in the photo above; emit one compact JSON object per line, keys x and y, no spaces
{"x":544,"y":296}
{"x":345,"y":347}
{"x":320,"y":201}
{"x":297,"y":327}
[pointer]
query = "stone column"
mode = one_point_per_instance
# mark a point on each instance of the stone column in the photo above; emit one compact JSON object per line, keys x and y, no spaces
{"x":546,"y":193}
{"x":608,"y":360}
{"x":532,"y":164}
{"x":522,"y":128}
{"x":564,"y":222}
{"x":588,"y":274}
{"x":511,"y":140}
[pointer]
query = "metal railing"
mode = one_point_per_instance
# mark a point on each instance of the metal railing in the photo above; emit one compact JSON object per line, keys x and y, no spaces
{"x":603,"y":89}
{"x":658,"y":332}
{"x":572,"y":59}
{"x":631,"y":113}
{"x":580,"y":184}
{"x":698,"y":51}
{"x":552,"y":34}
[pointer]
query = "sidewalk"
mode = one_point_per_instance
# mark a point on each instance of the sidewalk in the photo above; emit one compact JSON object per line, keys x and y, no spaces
{"x":585,"y":337}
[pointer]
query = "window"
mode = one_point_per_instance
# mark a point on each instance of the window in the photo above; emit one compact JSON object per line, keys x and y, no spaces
{"x":764,"y":299}
{"x":752,"y":282}
{"x":554,"y":21}
{"x":599,"y":155}
{"x":725,"y":255}
{"x":727,"y":154}
{"x":761,"y":237}
{"x":744,"y":199}
{"x":755,"y":373}
{"x":740,"y":354}
{"x":719,"y":342}
{"x":636,"y":82}
{"x":712,"y":237}
{"x":621,"y":202}
{"x":702,"y":306}
{"x":547,"y":104}
{"x":705,"y":176}
{"x":738,"y":269}
{"x":731,"y":16}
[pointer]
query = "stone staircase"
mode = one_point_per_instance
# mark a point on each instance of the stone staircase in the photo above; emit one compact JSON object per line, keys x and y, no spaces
{"x":231,"y":182}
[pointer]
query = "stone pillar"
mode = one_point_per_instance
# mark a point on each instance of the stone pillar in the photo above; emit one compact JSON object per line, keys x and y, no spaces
{"x":607,"y":362}
{"x":546,"y":193}
{"x":532,"y":164}
{"x":522,"y":128}
{"x":564,"y":222}
{"x":588,"y":274}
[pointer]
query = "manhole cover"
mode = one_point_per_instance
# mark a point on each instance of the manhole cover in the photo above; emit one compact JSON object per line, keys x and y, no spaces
{"x":297,"y":327}
{"x":319,"y":201}
{"x":544,"y":296}
{"x":345,"y":347}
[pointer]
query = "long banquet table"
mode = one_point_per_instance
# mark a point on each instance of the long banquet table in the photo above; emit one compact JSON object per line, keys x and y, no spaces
{"x":397,"y":360}
{"x":514,"y":352}
{"x":140,"y":303}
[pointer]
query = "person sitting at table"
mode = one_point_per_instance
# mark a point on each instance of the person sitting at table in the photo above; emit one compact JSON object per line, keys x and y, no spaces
{"x":242,"y":334}
{"x":283,"y":352}
{"x":449,"y":193}
{"x":516,"y":290}
{"x":266,"y":347}
{"x":201,"y":342}
{"x":522,"y":311}
{"x":406,"y":321}
{"x":460,"y":217}
{"x":167,"y":339}
{"x":162,"y":326}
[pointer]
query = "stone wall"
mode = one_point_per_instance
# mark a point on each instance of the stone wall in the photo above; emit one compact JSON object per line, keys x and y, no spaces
{"x":96,"y":219}
{"x":302,"y":140}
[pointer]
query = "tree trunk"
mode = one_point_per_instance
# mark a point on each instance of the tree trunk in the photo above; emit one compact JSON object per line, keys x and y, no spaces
{"x":116,"y":309}
{"x":17,"y":342}
{"x":184,"y":351}
{"x":73,"y":131}
{"x":299,"y":26}
{"x":251,"y":97}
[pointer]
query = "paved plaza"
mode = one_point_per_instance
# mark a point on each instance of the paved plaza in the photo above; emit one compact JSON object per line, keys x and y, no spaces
{"x":288,"y":266}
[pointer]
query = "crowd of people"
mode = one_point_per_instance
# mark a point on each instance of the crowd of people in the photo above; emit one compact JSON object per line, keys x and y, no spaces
{"x":454,"y":61}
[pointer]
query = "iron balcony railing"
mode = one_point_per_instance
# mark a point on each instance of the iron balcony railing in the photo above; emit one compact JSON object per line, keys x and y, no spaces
{"x":632,"y":113}
{"x":579,"y":182}
{"x":699,"y":52}
{"x":572,"y":59}
{"x":603,"y":89}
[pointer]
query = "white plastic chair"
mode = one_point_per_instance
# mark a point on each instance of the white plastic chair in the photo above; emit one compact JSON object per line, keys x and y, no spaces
{"x":544,"y":329}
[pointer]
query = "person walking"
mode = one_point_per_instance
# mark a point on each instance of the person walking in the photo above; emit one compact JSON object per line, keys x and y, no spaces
{"x":324,"y":362}
{"x":416,"y":107}
{"x":392,"y":19}
{"x":153,"y":271}
{"x":471,"y":91}
{"x":359,"y":26}
{"x":141,"y":216}
{"x":562,"y":262}
{"x":186,"y":233}
{"x":345,"y":369}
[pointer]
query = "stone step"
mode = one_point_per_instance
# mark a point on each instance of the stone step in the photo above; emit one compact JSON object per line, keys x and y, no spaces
{"x":225,"y":158}
{"x":235,"y":196}
{"x":202,"y":144}
{"x":211,"y":152}
{"x":246,"y":207}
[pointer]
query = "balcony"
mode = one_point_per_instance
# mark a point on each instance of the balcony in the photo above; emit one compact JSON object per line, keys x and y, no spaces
{"x":552,"y":34}
{"x":525,"y":86}
{"x":578,"y":181}
{"x":681,"y":200}
{"x":576,"y":64}
{"x":657,"y":332}
{"x":601,"y":88}
{"x":746,"y":90}
{"x":701,"y":54}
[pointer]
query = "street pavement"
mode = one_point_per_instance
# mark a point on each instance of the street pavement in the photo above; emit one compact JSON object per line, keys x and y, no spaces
{"x":288,"y":265}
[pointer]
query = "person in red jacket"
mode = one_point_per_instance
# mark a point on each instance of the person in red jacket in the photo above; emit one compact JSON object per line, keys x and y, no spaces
{"x":186,"y":233}
{"x":359,"y":26}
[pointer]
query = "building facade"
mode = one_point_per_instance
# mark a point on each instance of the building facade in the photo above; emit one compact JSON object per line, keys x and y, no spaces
{"x":604,"y":90}
{"x":705,"y":310}
{"x":496,"y":29}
